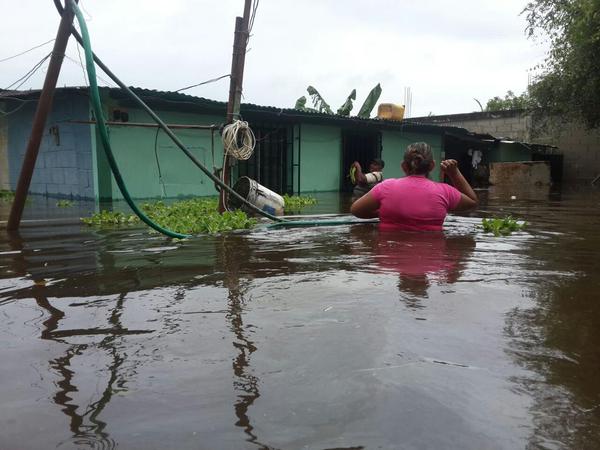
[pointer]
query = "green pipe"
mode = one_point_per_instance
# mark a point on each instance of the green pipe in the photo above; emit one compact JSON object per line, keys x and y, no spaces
{"x":164,"y":127}
{"x":100,"y":123}
{"x":90,"y":57}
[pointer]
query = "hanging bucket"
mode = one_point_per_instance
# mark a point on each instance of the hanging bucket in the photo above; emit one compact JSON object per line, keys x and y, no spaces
{"x":258,"y":195}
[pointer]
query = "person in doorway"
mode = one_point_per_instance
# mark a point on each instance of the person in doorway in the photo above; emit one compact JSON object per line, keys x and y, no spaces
{"x":415,"y":203}
{"x":364,"y":182}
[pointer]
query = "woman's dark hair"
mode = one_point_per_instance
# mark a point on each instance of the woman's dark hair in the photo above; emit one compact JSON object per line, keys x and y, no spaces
{"x":418,"y":158}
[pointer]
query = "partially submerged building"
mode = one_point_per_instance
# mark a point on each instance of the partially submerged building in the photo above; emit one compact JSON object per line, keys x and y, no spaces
{"x":297,"y":151}
{"x":572,"y":150}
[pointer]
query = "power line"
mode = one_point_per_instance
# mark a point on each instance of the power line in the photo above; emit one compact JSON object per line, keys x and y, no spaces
{"x":29,"y":74}
{"x":107,"y":83}
{"x":26,"y":51}
{"x":204,"y":82}
{"x":85,"y":80}
{"x":8,"y":113}
{"x":252,"y":16}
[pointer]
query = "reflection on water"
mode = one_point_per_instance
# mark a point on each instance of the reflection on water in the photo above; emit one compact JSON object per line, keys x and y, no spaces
{"x":245,"y":383}
{"x":418,"y":258}
{"x":338,"y":337}
{"x":85,"y":424}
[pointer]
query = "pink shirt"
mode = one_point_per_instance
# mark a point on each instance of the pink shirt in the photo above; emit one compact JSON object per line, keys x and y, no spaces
{"x":414,"y":203}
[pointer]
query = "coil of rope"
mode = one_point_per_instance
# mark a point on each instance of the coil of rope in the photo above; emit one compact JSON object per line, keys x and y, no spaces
{"x":238,"y":140}
{"x":95,"y":96}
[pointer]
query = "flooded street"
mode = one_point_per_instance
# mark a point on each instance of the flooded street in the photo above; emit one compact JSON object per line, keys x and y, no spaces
{"x":317,"y":338}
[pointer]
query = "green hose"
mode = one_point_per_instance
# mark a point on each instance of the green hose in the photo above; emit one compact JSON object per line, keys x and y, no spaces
{"x":97,"y":106}
{"x":84,"y":40}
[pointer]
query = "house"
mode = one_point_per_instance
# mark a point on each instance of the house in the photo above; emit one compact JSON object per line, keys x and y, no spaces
{"x":572,"y":150}
{"x":297,"y":151}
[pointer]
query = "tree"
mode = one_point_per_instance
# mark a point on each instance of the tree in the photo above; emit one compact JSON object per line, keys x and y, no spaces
{"x":569,"y":83}
{"x":510,"y":101}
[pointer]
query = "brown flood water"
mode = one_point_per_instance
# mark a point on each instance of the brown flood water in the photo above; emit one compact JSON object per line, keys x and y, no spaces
{"x":314,"y":338}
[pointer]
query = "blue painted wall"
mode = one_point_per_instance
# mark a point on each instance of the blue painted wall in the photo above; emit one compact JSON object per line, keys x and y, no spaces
{"x":74,"y":165}
{"x":64,"y":165}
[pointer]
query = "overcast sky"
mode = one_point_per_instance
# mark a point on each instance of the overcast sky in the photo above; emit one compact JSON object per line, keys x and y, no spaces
{"x":447,"y":52}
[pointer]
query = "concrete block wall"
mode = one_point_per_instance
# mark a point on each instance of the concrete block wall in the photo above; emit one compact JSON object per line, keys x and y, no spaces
{"x":64,"y":165}
{"x":580,"y":146}
{"x":514,"y":125}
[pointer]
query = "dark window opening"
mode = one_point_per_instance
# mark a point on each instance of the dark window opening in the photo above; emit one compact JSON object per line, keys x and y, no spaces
{"x":556,"y":164}
{"x":271,"y":163}
{"x":361,"y":146}
{"x":475,"y":171}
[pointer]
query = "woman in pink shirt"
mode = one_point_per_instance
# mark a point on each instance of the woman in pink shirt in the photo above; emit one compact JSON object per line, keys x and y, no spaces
{"x":415,"y":203}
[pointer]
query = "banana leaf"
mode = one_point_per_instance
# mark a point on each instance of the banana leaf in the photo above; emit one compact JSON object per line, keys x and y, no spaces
{"x":370,"y":102}
{"x":319,"y":103}
{"x":345,"y":109}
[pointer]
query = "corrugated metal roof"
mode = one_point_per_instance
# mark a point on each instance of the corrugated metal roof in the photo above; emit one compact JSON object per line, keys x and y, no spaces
{"x":252,"y":111}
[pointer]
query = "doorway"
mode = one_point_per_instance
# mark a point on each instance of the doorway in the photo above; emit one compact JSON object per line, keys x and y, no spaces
{"x":361,"y":146}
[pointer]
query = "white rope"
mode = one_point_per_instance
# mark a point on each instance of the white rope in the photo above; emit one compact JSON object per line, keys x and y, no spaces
{"x":238,"y":140}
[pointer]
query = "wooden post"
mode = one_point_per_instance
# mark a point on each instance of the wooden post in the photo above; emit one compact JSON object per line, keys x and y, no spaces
{"x":238,"y":59}
{"x":39,"y":119}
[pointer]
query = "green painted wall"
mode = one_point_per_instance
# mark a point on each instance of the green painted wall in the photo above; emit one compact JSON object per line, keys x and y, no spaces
{"x":318,"y":148}
{"x":505,"y":152}
{"x":394,"y":145}
{"x":320,"y":158}
{"x":139,"y":159}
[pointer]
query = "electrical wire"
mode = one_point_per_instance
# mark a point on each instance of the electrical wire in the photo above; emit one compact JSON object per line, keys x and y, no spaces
{"x":90,"y":59}
{"x":204,"y":82}
{"x":8,"y":113}
{"x":107,"y":83}
{"x":103,"y":131}
{"x":238,"y":140}
{"x":29,"y":74}
{"x":160,"y":177}
{"x":26,"y":51}
{"x":252,"y":16}
{"x":90,"y":62}
{"x":85,"y":79}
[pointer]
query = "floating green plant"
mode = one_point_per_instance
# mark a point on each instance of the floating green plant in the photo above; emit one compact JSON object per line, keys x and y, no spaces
{"x":298,"y":202}
{"x":6,"y":196}
{"x":194,"y":216}
{"x":502,"y":227}
{"x":105,"y":217}
{"x":64,"y":203}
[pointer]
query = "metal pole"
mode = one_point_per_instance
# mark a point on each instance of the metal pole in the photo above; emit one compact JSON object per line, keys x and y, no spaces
{"x":238,"y":59}
{"x":175,"y":126}
{"x":39,"y":120}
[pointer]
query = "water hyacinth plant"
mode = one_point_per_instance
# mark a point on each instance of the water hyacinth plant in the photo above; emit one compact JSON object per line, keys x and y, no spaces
{"x":195,"y":216}
{"x":64,"y":203}
{"x":502,"y":227}
{"x":6,"y":196}
{"x":105,"y":217}
{"x":298,"y":202}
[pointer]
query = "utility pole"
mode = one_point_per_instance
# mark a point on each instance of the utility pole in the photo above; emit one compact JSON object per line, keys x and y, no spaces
{"x":238,"y":59}
{"x":39,"y":119}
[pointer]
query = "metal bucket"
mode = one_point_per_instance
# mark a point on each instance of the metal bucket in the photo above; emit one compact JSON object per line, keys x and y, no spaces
{"x":258,"y":195}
